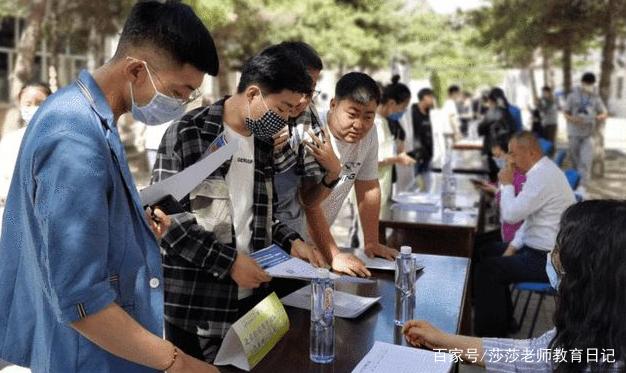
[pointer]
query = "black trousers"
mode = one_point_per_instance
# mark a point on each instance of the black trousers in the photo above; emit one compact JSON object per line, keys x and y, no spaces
{"x":493,"y":309}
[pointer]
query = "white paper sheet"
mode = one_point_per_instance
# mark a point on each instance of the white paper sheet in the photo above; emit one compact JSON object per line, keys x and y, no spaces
{"x":380,"y":263}
{"x":385,"y":358}
{"x":185,"y":181}
{"x":275,"y":261}
{"x":254,"y":335}
{"x":347,"y":305}
{"x":419,"y":198}
{"x":231,"y":352}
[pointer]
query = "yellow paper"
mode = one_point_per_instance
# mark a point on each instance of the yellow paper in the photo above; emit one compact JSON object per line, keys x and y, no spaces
{"x":261,"y":328}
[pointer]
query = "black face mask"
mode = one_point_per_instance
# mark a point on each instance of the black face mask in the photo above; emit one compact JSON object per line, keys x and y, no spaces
{"x":268,"y":125}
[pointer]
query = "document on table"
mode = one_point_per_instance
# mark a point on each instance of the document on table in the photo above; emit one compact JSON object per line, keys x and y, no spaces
{"x":278,"y":263}
{"x":185,"y":181}
{"x":347,"y":306}
{"x":426,"y":202}
{"x":380,"y":263}
{"x":385,"y":357}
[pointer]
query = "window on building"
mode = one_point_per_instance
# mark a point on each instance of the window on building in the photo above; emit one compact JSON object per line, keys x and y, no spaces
{"x":7,"y":32}
{"x":4,"y":77}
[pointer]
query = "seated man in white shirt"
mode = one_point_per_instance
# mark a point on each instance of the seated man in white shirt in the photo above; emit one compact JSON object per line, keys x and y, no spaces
{"x":544,"y":197}
{"x":350,"y":122}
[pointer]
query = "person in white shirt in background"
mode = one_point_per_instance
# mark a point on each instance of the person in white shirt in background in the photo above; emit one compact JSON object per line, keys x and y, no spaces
{"x":451,"y":112}
{"x":31,"y":96}
{"x":351,"y":121}
{"x":544,"y":197}
{"x":394,"y":102}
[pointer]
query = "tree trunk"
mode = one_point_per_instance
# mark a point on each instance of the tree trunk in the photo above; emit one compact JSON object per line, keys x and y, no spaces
{"x":533,"y":82}
{"x":547,"y":69}
{"x":27,"y":47}
{"x":223,"y":81}
{"x":93,"y":48}
{"x":608,"y":49}
{"x":567,"y":68}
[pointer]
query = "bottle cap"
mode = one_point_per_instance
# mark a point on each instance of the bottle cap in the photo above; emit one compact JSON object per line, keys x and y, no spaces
{"x":323,"y":273}
{"x":406,"y":250}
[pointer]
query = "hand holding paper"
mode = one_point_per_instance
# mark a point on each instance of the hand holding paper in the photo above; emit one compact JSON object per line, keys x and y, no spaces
{"x":247,"y":273}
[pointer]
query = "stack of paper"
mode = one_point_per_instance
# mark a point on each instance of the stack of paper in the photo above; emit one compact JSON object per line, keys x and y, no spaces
{"x":385,"y":357}
{"x":380,"y":263}
{"x":278,"y":263}
{"x":347,"y":305}
{"x":426,"y":202}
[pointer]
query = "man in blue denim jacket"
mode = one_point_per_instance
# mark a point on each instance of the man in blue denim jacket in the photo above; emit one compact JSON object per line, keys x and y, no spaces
{"x":80,"y":269}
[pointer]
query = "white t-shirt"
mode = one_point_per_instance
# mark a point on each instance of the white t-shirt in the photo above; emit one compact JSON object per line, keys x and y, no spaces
{"x":452,"y":115}
{"x":240,"y":182}
{"x":359,"y":162}
{"x":386,"y":149}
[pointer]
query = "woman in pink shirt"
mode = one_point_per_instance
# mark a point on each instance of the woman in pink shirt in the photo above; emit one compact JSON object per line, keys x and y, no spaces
{"x":499,"y":151}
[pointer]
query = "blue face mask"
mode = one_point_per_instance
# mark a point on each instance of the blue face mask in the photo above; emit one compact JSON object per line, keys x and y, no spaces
{"x":555,"y":281}
{"x":500,"y":163}
{"x":396,"y":116}
{"x":159,"y":110}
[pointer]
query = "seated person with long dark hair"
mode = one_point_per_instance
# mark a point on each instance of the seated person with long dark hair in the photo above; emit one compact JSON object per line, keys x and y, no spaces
{"x":588,"y":269}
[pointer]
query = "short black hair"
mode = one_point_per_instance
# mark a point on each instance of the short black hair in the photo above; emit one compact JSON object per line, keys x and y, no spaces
{"x":395,"y":91}
{"x":358,"y":87}
{"x":274,"y":70}
{"x":453,"y":89}
{"x":172,"y":27}
{"x":589,"y":78}
{"x":496,"y":94}
{"x":305,"y":52}
{"x":546,"y":88}
{"x":503,"y":141}
{"x":424,"y":92}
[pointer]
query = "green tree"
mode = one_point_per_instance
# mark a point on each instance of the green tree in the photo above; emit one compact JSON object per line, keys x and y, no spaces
{"x":517,"y":29}
{"x":442,"y":46}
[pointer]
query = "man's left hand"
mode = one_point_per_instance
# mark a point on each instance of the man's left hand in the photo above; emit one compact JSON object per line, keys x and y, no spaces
{"x":380,"y":250}
{"x":302,"y":250}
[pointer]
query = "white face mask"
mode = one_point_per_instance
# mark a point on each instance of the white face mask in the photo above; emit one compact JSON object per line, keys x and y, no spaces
{"x":27,"y":113}
{"x":160,"y":109}
{"x":588,"y":88}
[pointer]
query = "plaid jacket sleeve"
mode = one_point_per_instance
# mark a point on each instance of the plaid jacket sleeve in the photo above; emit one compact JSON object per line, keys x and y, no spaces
{"x":180,"y":148}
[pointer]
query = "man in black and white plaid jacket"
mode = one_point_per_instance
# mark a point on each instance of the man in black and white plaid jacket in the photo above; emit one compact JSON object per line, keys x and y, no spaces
{"x":209,"y":278}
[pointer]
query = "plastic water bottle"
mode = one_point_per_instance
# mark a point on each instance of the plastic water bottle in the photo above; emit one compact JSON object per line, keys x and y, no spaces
{"x":322,"y":348}
{"x":448,"y":186}
{"x":405,"y":286}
